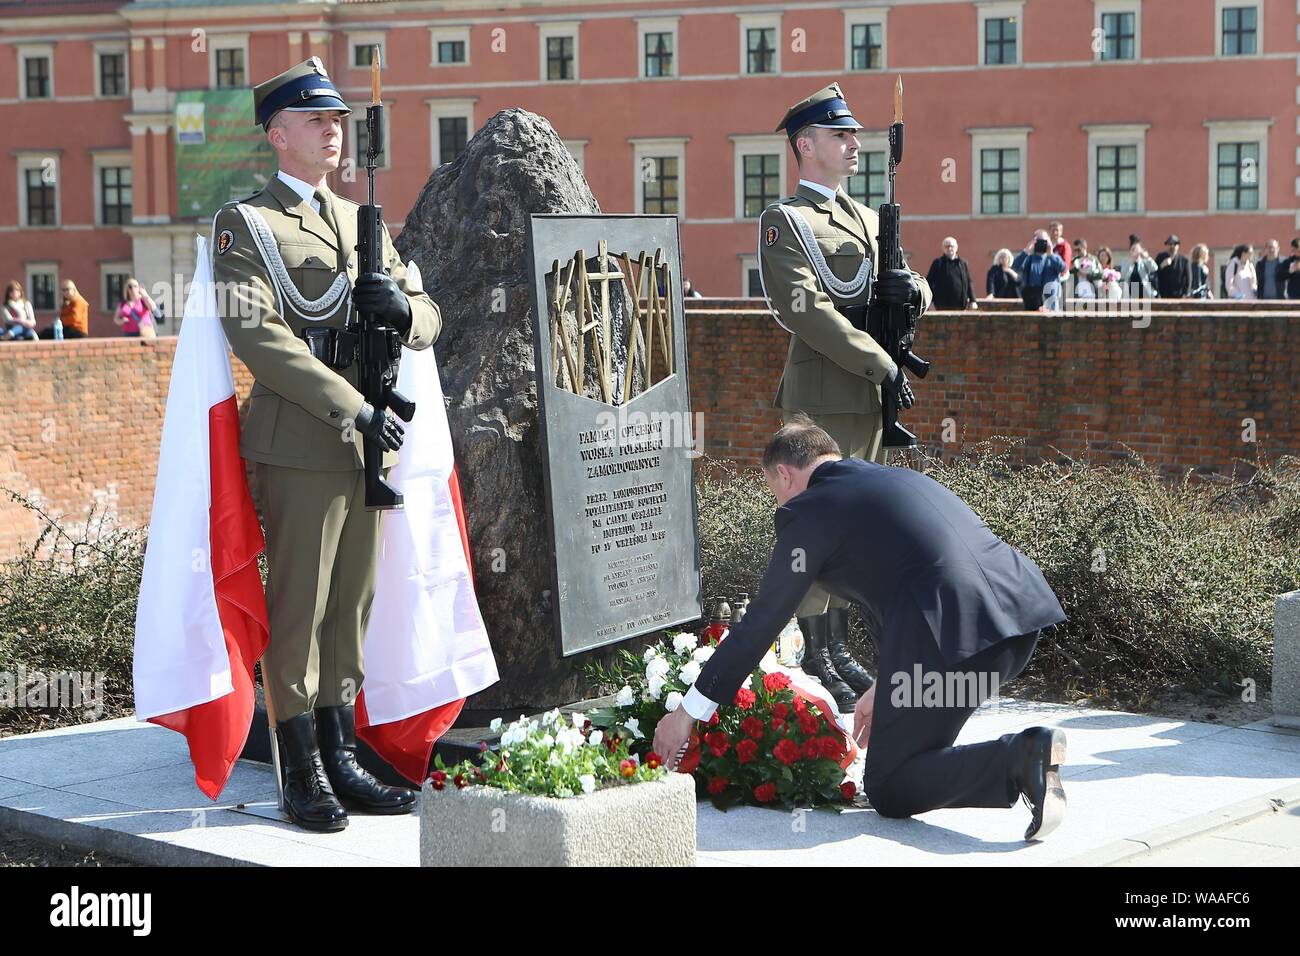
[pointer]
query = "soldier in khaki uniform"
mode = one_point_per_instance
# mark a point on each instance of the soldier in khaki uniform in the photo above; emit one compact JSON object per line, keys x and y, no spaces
{"x":285,"y":265}
{"x":819,"y":266}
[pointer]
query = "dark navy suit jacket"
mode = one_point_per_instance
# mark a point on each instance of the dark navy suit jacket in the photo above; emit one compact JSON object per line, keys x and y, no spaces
{"x":897,"y":542}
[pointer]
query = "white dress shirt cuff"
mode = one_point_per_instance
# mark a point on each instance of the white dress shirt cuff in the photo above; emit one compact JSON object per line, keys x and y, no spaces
{"x":697,"y":705}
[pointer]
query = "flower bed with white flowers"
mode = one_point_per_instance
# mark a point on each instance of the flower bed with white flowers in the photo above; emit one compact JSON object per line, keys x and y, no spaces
{"x":774,"y":744}
{"x":558,"y":792}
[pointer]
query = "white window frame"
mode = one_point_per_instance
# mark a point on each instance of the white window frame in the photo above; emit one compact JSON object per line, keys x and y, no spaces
{"x":353,"y":142}
{"x":998,"y":138}
{"x":41,"y":268}
{"x":766,"y":21}
{"x":567,"y":28}
{"x":369,"y":38}
{"x":747,"y":263}
{"x":578,"y":150}
{"x":657,"y":25}
{"x":34,"y":159}
{"x":226,"y":41}
{"x":668,"y":146}
{"x":109,"y":158}
{"x":122,"y":267}
{"x":34,"y":51}
{"x":1130,"y":134}
{"x":445,"y":34}
{"x":114,"y":48}
{"x":1119,"y":6}
{"x":448,"y":109}
{"x":746,"y":145}
{"x":1219,"y":6}
{"x":861,"y":16}
{"x":1237,"y":131}
{"x":995,"y":11}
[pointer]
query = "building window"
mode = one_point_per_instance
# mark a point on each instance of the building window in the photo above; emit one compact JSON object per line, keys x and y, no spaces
{"x":659,"y":184}
{"x":658,"y":54}
{"x":1237,"y":176}
{"x":1239,"y":31}
{"x":451,"y":51}
{"x":112,"y":74}
{"x":1119,"y":35}
{"x":40,"y":286}
{"x":453,"y":134}
{"x":559,"y":58}
{"x":1117,"y":178}
{"x":999,"y":181}
{"x":868,"y":185}
{"x":230,"y":68}
{"x":760,"y":50}
{"x":115,"y":290}
{"x":363,"y":54}
{"x":762,"y":186}
{"x":753,"y":282}
{"x":36,"y":77}
{"x":41,"y":201}
{"x":999,"y":40}
{"x":115,"y":195}
{"x":867,"y":46}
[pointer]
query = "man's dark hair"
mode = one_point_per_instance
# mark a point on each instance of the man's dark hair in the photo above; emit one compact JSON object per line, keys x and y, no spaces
{"x":802,"y":131}
{"x":1041,"y":246}
{"x":798,"y":443}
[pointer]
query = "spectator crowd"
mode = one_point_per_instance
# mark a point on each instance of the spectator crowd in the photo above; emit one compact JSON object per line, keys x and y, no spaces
{"x":137,"y":314}
{"x":1049,"y":270}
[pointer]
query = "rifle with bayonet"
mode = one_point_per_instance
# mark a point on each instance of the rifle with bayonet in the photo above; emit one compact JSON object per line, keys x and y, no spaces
{"x":894,"y":326}
{"x":380,"y":345}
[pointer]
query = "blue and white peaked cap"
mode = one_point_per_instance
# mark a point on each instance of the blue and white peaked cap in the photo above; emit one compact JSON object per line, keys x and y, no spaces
{"x":299,"y":89}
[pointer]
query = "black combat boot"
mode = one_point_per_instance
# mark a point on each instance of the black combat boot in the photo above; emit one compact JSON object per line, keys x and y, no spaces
{"x":358,"y":790}
{"x":817,"y":662}
{"x":850,"y":671}
{"x":308,"y":797}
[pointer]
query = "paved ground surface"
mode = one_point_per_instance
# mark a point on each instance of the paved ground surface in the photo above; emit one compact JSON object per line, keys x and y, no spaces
{"x":123,"y":789}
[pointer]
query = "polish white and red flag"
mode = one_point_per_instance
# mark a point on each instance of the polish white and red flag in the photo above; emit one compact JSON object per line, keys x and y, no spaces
{"x":201,"y":621}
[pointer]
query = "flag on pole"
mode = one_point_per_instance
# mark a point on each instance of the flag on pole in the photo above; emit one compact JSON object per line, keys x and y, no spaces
{"x":201,"y":622}
{"x":426,"y":647}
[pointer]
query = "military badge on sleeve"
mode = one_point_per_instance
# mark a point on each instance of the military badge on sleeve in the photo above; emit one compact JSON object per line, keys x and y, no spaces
{"x":771,"y":235}
{"x":225,"y":241}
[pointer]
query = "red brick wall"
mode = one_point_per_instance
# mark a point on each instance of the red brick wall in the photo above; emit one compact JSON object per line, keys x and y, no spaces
{"x":81,"y":420}
{"x":80,"y":426}
{"x":1176,"y":392}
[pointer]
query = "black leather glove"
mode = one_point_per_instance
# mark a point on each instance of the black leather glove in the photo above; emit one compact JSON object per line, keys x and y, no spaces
{"x":386,"y":429}
{"x":377,"y":294}
{"x":902,"y":389}
{"x":896,"y":287}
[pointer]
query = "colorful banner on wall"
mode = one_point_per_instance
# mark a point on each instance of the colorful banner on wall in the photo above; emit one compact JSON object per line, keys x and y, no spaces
{"x":220,"y":154}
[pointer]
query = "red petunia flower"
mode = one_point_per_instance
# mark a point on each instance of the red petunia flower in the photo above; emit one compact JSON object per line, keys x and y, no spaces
{"x":718,"y":784}
{"x":691,"y":760}
{"x":775,"y":681}
{"x":717,"y":742}
{"x":786,"y":751}
{"x":752,"y":726}
{"x":745,"y":698}
{"x":849,"y":789}
{"x":746,"y":750}
{"x":765,"y":792}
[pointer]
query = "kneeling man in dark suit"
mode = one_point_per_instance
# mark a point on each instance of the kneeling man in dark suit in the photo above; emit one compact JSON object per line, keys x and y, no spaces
{"x":961,"y":612}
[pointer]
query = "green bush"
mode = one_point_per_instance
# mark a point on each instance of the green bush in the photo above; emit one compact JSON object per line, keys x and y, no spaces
{"x":1167,"y":584}
{"x":67,"y":604}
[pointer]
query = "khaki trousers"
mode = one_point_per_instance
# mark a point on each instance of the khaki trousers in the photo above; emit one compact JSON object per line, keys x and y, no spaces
{"x":322,"y":546}
{"x":859,"y":436}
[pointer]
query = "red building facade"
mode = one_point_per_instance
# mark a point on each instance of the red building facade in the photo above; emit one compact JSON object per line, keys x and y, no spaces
{"x":1113,"y":116}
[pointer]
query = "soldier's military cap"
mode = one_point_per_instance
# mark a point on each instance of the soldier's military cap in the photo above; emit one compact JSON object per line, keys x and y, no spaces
{"x":825,"y":108}
{"x":303,"y":88}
